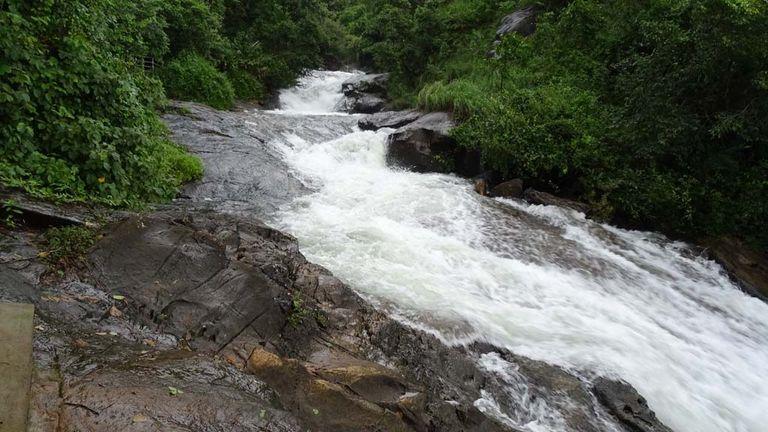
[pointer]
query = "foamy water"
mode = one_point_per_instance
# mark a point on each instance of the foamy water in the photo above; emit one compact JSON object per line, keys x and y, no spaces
{"x":542,"y":281}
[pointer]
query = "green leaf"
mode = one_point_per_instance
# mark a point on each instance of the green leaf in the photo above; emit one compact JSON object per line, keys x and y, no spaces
{"x":173,"y":391}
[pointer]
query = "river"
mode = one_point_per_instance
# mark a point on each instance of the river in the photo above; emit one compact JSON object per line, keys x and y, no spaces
{"x":544,"y":282}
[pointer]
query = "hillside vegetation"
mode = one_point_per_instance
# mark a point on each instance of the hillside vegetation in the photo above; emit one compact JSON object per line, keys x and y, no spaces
{"x":81,"y":82}
{"x":654,"y":111}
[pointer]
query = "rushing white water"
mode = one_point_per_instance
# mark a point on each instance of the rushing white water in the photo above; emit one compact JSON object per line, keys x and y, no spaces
{"x":542,"y":281}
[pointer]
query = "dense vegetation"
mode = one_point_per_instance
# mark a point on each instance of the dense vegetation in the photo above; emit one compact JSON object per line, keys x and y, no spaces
{"x":655,"y":111}
{"x":81,"y":82}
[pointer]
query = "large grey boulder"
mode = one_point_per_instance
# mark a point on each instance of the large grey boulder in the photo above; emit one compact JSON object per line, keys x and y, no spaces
{"x":363,"y":103}
{"x":522,"y":22}
{"x":370,"y":83}
{"x":364,"y":94}
{"x":425,"y":145}
{"x":388,"y":119}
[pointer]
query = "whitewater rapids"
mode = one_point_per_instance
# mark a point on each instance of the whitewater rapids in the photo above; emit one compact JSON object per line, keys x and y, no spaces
{"x":541,"y":281}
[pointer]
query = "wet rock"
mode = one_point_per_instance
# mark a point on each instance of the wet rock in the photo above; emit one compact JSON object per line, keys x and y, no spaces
{"x":746,"y":265}
{"x":238,"y":162}
{"x":509,"y":189}
{"x":522,"y":22}
{"x":537,"y":197}
{"x":366,"y":393}
{"x":208,"y":306}
{"x":388,"y":119}
{"x":623,"y":401}
{"x":363,"y":104}
{"x":42,"y":214}
{"x":187,"y":273}
{"x":364,"y":94}
{"x":425,"y":145}
{"x":370,"y":83}
{"x":481,"y":186}
{"x":175,"y":392}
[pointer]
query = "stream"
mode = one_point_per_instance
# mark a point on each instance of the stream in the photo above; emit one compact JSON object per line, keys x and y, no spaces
{"x":542,"y":281}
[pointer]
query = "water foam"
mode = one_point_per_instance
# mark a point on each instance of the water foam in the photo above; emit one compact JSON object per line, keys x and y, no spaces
{"x":544,"y":282}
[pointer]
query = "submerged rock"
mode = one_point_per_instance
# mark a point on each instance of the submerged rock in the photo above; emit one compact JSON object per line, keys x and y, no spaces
{"x":425,"y":145}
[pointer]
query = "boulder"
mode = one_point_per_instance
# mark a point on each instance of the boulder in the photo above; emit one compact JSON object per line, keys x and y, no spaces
{"x":481,"y":186}
{"x":537,"y":197}
{"x":370,"y":83}
{"x":631,"y":409}
{"x":508,"y":189}
{"x":522,"y":22}
{"x":237,"y":162}
{"x":425,"y":145}
{"x":388,"y":119}
{"x":364,"y":94}
{"x":362,"y":104}
{"x":744,"y":264}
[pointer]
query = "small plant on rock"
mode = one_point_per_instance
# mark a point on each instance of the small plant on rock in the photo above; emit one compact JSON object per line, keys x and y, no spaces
{"x":66,"y":246}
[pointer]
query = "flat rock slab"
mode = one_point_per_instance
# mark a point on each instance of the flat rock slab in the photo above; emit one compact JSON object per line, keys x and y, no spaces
{"x":15,"y":364}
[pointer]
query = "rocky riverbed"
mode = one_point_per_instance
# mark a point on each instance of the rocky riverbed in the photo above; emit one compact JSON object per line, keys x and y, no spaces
{"x":200,"y":317}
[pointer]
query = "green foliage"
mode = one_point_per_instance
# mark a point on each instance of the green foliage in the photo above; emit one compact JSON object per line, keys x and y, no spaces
{"x":9,"y":212}
{"x":246,"y":86}
{"x":77,"y":118}
{"x":191,"y":77}
{"x":65,"y":247}
{"x":655,"y":111}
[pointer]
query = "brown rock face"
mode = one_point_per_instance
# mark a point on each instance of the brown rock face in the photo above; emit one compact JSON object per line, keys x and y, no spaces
{"x":747,"y":266}
{"x":509,"y":189}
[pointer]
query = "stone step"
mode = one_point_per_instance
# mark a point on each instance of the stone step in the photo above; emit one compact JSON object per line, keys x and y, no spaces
{"x":16,"y":327}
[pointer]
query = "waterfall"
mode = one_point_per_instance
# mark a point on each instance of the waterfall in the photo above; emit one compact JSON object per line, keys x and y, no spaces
{"x":544,"y":282}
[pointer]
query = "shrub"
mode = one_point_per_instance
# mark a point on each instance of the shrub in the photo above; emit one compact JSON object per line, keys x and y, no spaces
{"x":246,"y":86}
{"x":191,"y":77}
{"x":77,"y":119}
{"x":65,"y":247}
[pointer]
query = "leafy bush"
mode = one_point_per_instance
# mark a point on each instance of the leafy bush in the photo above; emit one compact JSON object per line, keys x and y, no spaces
{"x":246,"y":86}
{"x":191,"y":77}
{"x":65,"y":247}
{"x":77,"y":119}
